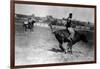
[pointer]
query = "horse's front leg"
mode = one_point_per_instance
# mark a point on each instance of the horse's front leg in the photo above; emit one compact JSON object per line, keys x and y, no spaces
{"x":25,"y":28}
{"x":61,"y":47}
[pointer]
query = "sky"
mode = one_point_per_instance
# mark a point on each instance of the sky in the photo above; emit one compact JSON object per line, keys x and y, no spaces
{"x":79,"y":13}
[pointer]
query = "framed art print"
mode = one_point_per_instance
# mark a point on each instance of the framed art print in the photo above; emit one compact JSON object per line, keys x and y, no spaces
{"x":51,"y":34}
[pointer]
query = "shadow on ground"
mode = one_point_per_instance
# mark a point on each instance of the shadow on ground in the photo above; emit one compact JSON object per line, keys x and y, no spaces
{"x":55,"y":50}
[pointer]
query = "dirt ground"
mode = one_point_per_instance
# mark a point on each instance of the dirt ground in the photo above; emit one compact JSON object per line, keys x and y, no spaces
{"x":41,"y":47}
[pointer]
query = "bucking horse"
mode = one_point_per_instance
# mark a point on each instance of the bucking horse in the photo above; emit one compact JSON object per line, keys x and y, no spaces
{"x":62,"y":37}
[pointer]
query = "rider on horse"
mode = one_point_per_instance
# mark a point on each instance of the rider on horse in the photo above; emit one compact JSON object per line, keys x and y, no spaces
{"x":69,"y":28}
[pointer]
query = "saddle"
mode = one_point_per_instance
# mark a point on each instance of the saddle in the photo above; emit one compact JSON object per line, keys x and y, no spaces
{"x":64,"y":33}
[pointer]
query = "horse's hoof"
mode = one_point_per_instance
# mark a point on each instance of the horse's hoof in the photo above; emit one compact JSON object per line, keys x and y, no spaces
{"x":70,"y":52}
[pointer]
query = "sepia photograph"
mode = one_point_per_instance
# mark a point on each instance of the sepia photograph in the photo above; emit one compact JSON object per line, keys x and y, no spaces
{"x":53,"y":34}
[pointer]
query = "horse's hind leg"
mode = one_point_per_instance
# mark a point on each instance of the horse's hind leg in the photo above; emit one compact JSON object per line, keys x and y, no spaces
{"x":25,"y":28}
{"x":69,"y":49}
{"x":32,"y":27}
{"x":61,"y":47}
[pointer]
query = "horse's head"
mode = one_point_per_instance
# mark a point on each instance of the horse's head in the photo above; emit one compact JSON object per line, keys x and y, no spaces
{"x":79,"y":37}
{"x":84,"y":38}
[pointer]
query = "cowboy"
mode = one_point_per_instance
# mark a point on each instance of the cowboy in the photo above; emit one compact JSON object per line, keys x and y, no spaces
{"x":69,"y":28}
